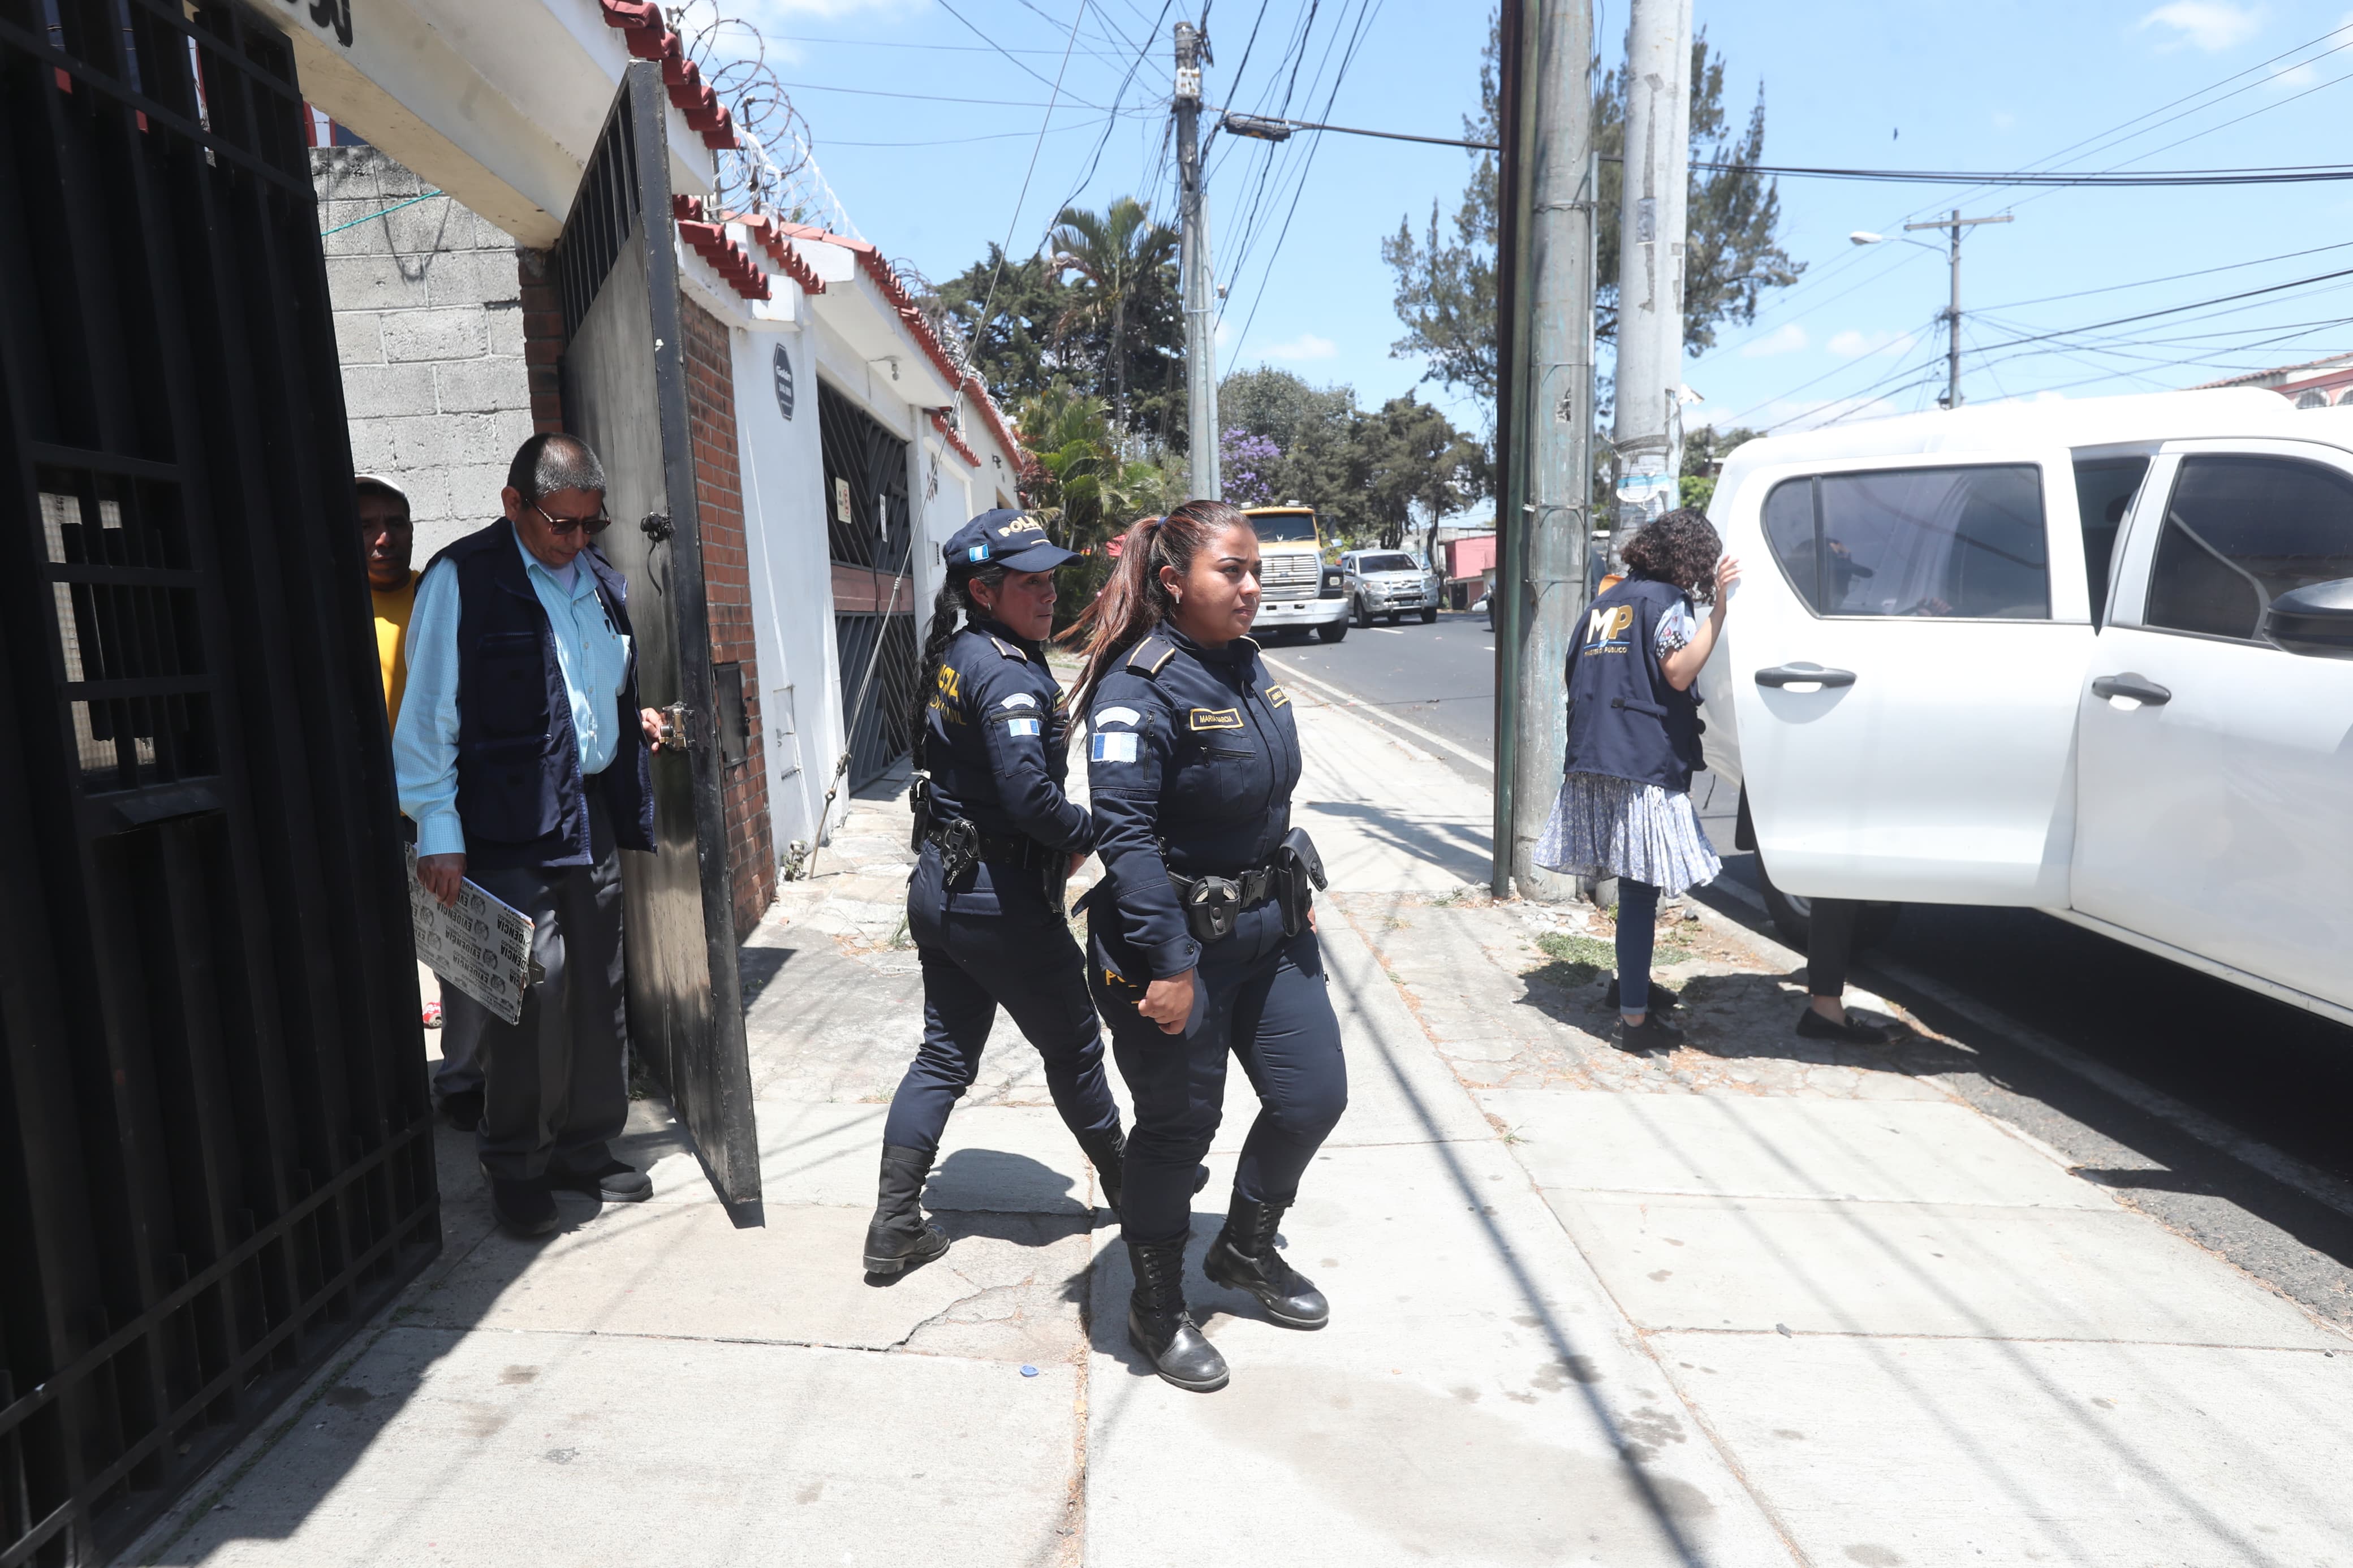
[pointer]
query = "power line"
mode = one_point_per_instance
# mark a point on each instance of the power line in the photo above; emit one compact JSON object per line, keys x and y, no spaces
{"x":2285,"y":174}
{"x":2168,"y":278}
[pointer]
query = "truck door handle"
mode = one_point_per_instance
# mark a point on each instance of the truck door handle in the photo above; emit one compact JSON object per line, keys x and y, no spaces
{"x":1804,"y":675}
{"x":2139,"y":688}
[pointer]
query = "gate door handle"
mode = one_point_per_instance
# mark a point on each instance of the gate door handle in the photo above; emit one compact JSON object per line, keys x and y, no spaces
{"x":2139,"y":688}
{"x":1808,"y":675}
{"x":676,"y":732}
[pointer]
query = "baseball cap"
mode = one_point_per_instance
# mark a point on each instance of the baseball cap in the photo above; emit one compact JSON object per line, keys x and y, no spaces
{"x":1006,"y":538}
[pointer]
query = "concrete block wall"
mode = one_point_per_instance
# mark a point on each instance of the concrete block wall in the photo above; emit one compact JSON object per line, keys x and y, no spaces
{"x":727,"y":593}
{"x":430,"y":326}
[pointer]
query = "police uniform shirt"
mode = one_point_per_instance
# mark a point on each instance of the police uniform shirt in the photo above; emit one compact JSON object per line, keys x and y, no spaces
{"x":998,"y":743}
{"x":1197,"y":748}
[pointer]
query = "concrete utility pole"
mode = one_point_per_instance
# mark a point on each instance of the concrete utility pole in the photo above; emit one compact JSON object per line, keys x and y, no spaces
{"x":1953,"y":317}
{"x":1647,"y":430}
{"x":1551,"y":408}
{"x":1193,"y":267}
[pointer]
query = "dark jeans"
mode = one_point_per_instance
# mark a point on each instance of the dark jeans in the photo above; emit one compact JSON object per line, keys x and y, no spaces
{"x":1829,"y":945}
{"x":1270,"y":1004}
{"x":971,"y":964}
{"x":1637,"y":934}
{"x":556,"y":1086}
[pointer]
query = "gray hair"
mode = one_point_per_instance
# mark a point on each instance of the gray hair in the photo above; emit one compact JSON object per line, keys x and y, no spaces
{"x":552,"y":461}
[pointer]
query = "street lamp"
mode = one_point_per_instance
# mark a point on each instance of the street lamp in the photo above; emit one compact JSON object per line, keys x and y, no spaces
{"x":1952,"y":317}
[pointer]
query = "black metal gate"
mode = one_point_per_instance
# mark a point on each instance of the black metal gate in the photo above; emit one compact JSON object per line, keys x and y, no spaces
{"x":870,"y":526}
{"x":624,"y":395}
{"x":216,"y":1152}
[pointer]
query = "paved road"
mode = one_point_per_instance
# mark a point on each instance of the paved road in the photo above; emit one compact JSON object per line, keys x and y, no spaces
{"x":1440,"y":678}
{"x":2280,"y":1076}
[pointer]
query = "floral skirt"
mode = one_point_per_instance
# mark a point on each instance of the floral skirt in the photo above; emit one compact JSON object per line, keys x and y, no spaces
{"x":1605,"y":827}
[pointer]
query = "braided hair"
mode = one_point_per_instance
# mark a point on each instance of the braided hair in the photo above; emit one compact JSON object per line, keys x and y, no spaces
{"x":1135,"y":600}
{"x":954,"y":598}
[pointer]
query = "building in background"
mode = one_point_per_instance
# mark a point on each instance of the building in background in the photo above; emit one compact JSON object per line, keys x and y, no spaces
{"x":2315,"y":384}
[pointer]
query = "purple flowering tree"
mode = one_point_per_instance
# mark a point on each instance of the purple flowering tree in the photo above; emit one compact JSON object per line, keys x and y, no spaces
{"x":1244,"y":462}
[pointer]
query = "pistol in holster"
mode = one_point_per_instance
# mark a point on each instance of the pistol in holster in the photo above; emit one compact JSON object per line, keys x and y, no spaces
{"x":959,"y":847}
{"x":919,"y":796}
{"x":1299,"y":873}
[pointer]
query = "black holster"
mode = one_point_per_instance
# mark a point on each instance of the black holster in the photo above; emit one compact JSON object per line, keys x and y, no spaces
{"x":1211,"y":905}
{"x":919,"y":796}
{"x":959,"y":847}
{"x":1299,"y":873}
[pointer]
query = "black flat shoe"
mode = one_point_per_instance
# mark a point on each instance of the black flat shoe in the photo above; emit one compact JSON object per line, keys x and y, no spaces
{"x":1814,"y":1026}
{"x":1662,"y":996}
{"x":463,"y":1110}
{"x":613,"y":1182}
{"x":1648,"y":1036}
{"x":523,"y":1207}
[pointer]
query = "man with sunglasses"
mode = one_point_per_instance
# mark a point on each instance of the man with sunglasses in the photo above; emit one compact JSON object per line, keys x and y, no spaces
{"x":522,"y":757}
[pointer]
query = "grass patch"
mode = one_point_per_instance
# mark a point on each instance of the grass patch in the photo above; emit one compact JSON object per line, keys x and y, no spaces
{"x":1577,"y":959}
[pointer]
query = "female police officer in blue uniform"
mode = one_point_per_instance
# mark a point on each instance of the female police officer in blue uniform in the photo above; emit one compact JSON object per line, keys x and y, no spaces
{"x":998,"y":838}
{"x":1201,"y":939}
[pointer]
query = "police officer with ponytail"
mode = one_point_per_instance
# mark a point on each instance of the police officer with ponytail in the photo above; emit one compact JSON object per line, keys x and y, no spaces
{"x":997,"y":839}
{"x":1201,"y":934}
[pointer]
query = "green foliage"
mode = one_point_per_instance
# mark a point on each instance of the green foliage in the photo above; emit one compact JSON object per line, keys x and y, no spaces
{"x":1114,"y":260}
{"x":1446,"y":286}
{"x":1704,"y":449}
{"x":1364,"y":471}
{"x":1080,"y":488}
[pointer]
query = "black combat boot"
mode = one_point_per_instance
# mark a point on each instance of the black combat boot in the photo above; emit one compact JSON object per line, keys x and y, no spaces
{"x":1243,"y":1257}
{"x":1107,"y":1153}
{"x":1158,"y":1325}
{"x":900,"y":1235}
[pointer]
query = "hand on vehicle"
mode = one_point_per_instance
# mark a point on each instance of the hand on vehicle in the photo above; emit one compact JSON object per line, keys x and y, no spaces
{"x":441,"y":875}
{"x":1168,"y":1002}
{"x":1727,"y":574}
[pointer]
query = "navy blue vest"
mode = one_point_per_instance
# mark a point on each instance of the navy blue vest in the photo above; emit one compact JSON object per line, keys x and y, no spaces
{"x":521,"y":796}
{"x":1624,"y":719}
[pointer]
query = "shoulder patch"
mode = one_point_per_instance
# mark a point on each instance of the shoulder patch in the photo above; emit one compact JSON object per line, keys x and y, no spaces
{"x":1150,"y":654}
{"x":1008,"y":649}
{"x":1019,"y":699}
{"x":1115,"y":716}
{"x":1217,"y":718}
{"x":1276,"y":697}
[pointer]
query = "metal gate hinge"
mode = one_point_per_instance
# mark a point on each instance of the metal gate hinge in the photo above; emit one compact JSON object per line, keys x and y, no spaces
{"x":656,"y":527}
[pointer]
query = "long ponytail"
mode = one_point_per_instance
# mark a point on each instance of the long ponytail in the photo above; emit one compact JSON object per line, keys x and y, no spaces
{"x":952,"y":601}
{"x":1134,"y":600}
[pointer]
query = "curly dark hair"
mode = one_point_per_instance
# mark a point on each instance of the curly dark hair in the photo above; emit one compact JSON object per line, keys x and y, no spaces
{"x":1680,"y":548}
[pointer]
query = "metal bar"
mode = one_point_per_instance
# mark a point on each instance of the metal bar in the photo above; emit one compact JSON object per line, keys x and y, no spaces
{"x":134,"y":686}
{"x":50,"y":454}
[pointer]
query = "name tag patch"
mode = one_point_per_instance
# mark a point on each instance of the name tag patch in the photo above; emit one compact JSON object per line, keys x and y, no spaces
{"x":1117,"y":747}
{"x":1277,"y":697}
{"x":1217,"y":718}
{"x":1021,"y":727}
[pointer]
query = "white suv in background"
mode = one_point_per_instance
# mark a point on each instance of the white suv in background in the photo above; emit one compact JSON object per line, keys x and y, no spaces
{"x":1389,"y":583}
{"x":2093,"y":658}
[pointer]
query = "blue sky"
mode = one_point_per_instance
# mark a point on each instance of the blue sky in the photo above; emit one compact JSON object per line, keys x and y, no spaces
{"x":1986,"y":85}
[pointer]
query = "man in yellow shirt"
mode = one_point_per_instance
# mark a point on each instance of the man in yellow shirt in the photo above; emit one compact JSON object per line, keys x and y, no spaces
{"x":385,"y":540}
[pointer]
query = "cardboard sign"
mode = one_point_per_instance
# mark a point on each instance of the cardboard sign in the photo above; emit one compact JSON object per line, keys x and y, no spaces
{"x":480,"y":945}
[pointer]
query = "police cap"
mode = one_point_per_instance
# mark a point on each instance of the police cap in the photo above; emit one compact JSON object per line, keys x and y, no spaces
{"x":1006,"y":538}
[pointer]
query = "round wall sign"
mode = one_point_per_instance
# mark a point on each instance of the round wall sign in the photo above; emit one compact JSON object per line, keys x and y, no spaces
{"x":782,"y":365}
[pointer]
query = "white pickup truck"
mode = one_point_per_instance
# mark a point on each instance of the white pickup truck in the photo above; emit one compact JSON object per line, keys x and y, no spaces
{"x":2093,"y":658}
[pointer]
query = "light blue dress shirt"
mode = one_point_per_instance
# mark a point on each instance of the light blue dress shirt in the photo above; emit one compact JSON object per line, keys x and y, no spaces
{"x":592,"y":653}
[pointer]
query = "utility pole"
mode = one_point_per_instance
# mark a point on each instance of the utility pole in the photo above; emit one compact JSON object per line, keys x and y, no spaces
{"x":1193,"y":267}
{"x":1544,"y":413}
{"x":1953,"y":317}
{"x":1647,"y":432}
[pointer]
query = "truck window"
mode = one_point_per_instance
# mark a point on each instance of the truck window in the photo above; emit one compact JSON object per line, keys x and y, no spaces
{"x":2105,"y":489}
{"x":1285,"y":527}
{"x":1965,"y":541}
{"x":1392,"y":562}
{"x":2240,"y":532}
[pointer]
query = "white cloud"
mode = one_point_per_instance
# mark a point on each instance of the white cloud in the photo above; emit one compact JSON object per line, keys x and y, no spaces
{"x":2003,"y":120}
{"x":1305,"y":346}
{"x":1787,"y":339}
{"x":1852,"y":344}
{"x":2211,"y":25}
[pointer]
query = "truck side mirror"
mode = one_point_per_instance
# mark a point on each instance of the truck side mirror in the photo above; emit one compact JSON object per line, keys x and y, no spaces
{"x":2315,"y":619}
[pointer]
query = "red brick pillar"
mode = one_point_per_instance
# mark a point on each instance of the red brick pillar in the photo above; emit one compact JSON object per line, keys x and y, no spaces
{"x":542,"y":340}
{"x":727,"y":590}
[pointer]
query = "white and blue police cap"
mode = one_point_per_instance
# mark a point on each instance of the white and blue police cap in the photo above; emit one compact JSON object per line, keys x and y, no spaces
{"x":1006,"y":538}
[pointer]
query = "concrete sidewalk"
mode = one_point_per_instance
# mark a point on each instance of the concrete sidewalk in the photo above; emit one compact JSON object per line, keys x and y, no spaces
{"x":1758,"y":1303}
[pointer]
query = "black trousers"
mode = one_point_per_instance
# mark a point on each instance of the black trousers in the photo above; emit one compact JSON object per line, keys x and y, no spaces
{"x":1270,"y":1007}
{"x":1024,"y":960}
{"x":556,"y":1086}
{"x":1829,"y":945}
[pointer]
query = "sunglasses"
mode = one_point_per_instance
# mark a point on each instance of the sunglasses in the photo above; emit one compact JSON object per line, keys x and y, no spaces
{"x":563,"y":525}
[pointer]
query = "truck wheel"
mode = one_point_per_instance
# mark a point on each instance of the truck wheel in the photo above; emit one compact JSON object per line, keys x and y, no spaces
{"x":1333,"y":631}
{"x":1364,"y":616}
{"x":1429,"y":616}
{"x":1792,"y":915}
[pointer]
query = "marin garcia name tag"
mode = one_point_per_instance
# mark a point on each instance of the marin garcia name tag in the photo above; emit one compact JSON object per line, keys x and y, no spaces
{"x":1217,"y":718}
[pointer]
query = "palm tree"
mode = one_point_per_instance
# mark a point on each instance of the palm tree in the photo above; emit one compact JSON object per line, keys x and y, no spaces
{"x":1114,"y":255}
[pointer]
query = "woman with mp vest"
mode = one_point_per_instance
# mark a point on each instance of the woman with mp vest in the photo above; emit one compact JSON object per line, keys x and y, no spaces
{"x":1625,"y":807}
{"x":1201,"y":934}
